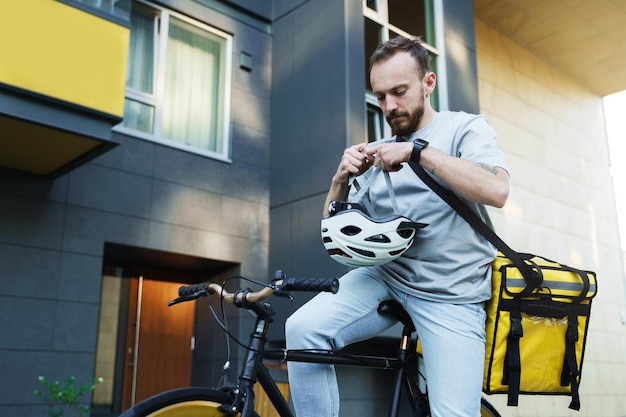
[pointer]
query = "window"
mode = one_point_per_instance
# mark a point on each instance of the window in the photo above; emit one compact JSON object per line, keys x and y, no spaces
{"x":377,"y":128}
{"x":178,"y":82}
{"x":114,"y":8}
{"x":385,"y":19}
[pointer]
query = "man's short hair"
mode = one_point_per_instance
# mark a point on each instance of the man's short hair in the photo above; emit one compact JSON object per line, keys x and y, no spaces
{"x":402,"y":44}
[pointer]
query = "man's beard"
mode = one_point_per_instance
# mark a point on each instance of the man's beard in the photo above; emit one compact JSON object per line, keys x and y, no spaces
{"x":405,"y":128}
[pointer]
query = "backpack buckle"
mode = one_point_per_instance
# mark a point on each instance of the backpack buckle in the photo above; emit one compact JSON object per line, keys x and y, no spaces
{"x":516,"y":327}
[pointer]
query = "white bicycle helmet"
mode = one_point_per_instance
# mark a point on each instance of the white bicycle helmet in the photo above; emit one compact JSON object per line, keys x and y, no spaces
{"x":355,"y":238}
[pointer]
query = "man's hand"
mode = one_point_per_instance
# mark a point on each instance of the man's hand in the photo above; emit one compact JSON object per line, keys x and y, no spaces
{"x":391,"y":155}
{"x":477,"y":182}
{"x":355,"y":161}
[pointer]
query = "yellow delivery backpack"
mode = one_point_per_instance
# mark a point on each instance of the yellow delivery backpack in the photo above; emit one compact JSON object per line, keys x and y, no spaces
{"x":537,"y":317}
{"x":536,"y":340}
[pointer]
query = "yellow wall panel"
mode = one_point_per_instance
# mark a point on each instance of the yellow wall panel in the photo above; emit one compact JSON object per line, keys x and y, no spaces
{"x":57,"y":50}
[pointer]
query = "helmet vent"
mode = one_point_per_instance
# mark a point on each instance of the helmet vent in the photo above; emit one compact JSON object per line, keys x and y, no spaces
{"x":327,"y":239}
{"x":406,"y":233}
{"x":378,"y":239}
{"x":351,"y":230}
{"x":362,"y":252}
{"x":339,"y":252}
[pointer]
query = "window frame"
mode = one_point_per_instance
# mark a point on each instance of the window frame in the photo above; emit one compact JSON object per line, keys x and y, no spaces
{"x":161,"y":19}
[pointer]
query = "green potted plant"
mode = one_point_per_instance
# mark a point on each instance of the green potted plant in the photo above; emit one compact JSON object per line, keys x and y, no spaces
{"x":59,"y":395}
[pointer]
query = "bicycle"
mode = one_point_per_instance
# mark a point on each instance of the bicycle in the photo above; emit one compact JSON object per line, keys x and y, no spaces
{"x":238,"y":399}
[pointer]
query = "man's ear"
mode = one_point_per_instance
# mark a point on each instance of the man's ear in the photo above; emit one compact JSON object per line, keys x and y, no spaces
{"x":430,"y":81}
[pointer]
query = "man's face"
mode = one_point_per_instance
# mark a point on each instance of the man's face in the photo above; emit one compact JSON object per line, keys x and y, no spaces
{"x":398,"y":87}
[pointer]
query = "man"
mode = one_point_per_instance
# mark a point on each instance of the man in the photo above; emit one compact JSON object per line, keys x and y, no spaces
{"x":443,"y":279}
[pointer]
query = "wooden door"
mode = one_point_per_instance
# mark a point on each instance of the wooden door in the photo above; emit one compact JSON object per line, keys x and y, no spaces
{"x":158,"y":341}
{"x":262,"y":404}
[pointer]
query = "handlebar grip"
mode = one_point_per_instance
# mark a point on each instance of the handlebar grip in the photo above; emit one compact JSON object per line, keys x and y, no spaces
{"x":311,"y":284}
{"x":189,"y":290}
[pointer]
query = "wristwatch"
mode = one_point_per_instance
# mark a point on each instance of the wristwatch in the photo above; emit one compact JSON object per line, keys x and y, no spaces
{"x":418,"y":145}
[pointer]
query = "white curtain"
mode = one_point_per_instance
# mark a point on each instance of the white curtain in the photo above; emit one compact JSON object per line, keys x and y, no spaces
{"x":192,"y":77}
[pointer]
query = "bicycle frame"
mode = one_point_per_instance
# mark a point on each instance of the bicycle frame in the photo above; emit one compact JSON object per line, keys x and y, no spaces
{"x":238,"y":399}
{"x":253,"y":369}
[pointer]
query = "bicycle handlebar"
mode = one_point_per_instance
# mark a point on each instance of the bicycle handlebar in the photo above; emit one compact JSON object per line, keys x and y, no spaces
{"x":279,"y":285}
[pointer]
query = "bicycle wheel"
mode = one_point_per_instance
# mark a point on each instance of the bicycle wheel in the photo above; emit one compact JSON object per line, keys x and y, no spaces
{"x":487,"y":410}
{"x":184,"y":402}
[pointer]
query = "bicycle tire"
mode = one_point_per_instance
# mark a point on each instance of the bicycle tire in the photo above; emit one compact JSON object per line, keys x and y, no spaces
{"x":183,"y":402}
{"x":487,"y":410}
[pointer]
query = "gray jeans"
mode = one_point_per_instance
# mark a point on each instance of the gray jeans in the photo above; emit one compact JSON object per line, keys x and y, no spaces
{"x":452,"y":338}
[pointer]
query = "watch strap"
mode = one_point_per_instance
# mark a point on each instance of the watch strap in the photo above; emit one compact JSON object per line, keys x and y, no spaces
{"x":418,"y":145}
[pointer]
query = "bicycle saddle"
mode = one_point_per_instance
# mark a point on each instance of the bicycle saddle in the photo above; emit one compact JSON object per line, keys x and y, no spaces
{"x":395,"y":309}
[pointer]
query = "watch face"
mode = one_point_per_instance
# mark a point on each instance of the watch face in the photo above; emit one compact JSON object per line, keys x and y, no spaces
{"x":332,"y":207}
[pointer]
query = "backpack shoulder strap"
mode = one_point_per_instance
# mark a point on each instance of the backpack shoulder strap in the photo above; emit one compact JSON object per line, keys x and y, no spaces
{"x":530,"y":276}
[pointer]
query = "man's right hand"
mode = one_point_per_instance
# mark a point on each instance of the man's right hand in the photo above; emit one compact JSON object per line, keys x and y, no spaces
{"x":355,"y":161}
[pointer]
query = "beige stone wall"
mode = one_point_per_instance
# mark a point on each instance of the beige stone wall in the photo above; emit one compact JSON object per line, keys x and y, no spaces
{"x":107,"y":339}
{"x":561,"y":206}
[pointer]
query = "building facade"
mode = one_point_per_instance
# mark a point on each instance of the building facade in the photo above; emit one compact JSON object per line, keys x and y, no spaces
{"x":145,"y":144}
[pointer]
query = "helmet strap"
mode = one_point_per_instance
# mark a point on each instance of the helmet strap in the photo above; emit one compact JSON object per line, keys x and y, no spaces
{"x":368,"y":182}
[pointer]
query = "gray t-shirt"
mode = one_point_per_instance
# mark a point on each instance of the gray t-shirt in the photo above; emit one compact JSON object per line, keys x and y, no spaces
{"x":448,"y":261}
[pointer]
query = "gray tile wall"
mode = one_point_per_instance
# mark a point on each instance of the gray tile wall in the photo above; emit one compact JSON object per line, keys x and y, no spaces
{"x":52,"y":233}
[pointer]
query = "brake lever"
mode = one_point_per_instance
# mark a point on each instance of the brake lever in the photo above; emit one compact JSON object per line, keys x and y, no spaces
{"x":176,"y":301}
{"x":191,"y":297}
{"x":279,"y":276}
{"x":283,"y":294}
